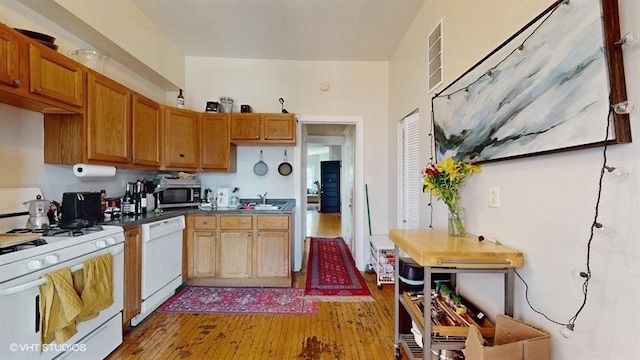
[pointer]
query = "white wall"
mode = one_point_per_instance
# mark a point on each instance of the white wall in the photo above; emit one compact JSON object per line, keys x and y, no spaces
{"x":357,"y":89}
{"x":547,"y":202}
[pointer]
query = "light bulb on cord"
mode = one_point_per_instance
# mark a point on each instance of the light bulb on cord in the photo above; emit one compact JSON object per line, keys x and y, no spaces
{"x":626,"y":39}
{"x":616,"y":172}
{"x":623,"y":107}
{"x":608,"y":231}
{"x":579,"y":274}
{"x":566,"y":331}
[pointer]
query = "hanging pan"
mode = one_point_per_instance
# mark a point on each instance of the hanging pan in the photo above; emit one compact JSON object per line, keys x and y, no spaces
{"x":260,"y":168}
{"x":285,"y":168}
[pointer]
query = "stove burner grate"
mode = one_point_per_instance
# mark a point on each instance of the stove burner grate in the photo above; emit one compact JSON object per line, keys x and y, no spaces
{"x":27,"y":231}
{"x":56,"y":231}
{"x":22,"y":246}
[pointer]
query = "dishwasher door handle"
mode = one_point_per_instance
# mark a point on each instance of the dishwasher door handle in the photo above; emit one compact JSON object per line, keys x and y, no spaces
{"x":160,"y":229}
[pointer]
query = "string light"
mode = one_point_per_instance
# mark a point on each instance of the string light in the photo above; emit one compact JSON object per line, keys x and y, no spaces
{"x":627,"y":39}
{"x":623,"y":107}
{"x":616,"y":172}
{"x":566,"y":331}
{"x":567,"y":328}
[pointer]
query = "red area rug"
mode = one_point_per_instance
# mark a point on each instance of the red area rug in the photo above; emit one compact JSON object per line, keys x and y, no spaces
{"x":332,"y":274}
{"x":221,"y":300}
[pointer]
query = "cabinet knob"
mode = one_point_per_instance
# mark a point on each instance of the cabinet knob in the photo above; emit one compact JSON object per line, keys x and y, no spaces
{"x":38,"y":89}
{"x":181,"y":155}
{"x":17,"y":83}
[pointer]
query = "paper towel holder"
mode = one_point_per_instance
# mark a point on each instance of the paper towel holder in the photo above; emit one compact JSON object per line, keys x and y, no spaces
{"x":87,"y":170}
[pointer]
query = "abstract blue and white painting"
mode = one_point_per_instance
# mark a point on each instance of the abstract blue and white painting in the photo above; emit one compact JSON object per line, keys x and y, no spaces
{"x":545,"y":89}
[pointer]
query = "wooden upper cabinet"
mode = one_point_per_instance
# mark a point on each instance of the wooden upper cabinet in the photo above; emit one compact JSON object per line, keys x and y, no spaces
{"x":147,"y":132}
{"x":181,"y":145}
{"x":108,"y":120}
{"x":55,"y":76}
{"x":35,"y":77}
{"x":216,"y":151}
{"x":263,"y":129}
{"x":279,"y":127}
{"x":246,"y":126}
{"x":9,"y":58}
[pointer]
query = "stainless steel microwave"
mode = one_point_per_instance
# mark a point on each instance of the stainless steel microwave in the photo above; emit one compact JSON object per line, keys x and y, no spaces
{"x":175,"y":193}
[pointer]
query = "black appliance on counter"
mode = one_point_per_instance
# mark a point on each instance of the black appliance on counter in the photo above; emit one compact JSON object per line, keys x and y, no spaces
{"x":81,"y":209}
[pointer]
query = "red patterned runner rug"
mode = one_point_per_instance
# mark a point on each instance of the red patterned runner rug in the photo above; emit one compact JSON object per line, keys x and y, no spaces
{"x":255,"y":301}
{"x":332,"y":274}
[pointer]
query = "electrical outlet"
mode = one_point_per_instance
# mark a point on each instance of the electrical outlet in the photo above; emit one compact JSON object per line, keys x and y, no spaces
{"x":494,"y":197}
{"x":369,"y":180}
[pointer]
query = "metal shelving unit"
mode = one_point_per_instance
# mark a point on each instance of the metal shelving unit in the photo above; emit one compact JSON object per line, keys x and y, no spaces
{"x":382,"y":256}
{"x":433,"y":250}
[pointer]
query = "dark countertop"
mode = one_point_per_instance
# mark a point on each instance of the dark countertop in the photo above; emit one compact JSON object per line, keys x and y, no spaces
{"x":287,"y":207}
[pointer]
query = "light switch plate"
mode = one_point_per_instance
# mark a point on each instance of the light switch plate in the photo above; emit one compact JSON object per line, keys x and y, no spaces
{"x":494,"y":197}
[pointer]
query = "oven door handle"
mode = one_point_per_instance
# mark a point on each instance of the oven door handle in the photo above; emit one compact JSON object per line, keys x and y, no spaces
{"x":26,"y":286}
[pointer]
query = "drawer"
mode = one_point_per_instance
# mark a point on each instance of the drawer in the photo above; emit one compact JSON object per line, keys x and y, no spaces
{"x":236,"y":222}
{"x":205,"y":222}
{"x":273,"y":222}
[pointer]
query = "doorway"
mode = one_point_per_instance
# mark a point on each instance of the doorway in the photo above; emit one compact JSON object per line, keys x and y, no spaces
{"x":347,"y":143}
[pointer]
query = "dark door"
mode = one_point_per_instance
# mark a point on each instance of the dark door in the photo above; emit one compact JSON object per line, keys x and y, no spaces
{"x":330,"y":186}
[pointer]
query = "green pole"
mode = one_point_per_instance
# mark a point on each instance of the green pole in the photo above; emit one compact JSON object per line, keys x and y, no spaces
{"x":366,"y":190}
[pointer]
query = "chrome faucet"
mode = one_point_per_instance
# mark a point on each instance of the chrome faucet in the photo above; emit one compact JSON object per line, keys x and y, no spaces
{"x":263,"y":198}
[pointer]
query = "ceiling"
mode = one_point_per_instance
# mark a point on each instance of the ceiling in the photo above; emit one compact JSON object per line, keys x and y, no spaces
{"x":343,"y":30}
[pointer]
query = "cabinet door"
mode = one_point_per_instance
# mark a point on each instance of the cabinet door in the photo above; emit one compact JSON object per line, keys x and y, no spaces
{"x":216,"y":151}
{"x":180,"y":139}
{"x":9,"y":58}
{"x":55,"y":76}
{"x":236,"y":256}
{"x":132,"y":273}
{"x":279,"y":127}
{"x":109,"y":120}
{"x":147,"y":132}
{"x":273,"y":254}
{"x":204,"y":253}
{"x":245,"y":127}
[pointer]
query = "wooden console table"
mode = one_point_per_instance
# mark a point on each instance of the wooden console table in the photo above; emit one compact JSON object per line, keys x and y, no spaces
{"x":438,"y":252}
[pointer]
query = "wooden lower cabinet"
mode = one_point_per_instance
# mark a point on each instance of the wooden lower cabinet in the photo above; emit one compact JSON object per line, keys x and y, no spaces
{"x":236,"y":250}
{"x":239,"y":250}
{"x":132,"y":274}
{"x":273,"y":254}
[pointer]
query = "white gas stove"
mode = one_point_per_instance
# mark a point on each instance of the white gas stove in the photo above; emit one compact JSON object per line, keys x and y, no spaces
{"x":47,"y":250}
{"x":22,"y":266}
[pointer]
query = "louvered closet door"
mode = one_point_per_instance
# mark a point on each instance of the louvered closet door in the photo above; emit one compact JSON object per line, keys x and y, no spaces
{"x":410,"y":172}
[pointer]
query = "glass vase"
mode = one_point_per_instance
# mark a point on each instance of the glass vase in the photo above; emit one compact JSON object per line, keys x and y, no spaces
{"x":456,"y":222}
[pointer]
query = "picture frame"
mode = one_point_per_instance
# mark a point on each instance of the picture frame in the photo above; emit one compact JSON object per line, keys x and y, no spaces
{"x":531,"y":96}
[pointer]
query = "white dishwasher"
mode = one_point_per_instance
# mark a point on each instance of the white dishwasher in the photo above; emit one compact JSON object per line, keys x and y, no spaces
{"x":161,"y":263}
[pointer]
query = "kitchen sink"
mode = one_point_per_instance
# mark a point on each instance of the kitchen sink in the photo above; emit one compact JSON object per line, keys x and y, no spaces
{"x":266,"y":207}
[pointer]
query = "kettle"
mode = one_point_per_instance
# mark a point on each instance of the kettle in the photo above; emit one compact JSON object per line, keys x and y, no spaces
{"x":38,"y":210}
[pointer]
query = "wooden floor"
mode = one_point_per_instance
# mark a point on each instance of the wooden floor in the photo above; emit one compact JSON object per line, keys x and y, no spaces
{"x":323,"y":224}
{"x":340,"y":330}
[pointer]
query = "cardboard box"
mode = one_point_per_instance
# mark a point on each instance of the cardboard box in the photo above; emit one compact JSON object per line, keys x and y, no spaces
{"x":514,"y":340}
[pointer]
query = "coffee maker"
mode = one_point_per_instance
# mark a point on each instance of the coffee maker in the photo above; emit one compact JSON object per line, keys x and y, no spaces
{"x":38,"y":210}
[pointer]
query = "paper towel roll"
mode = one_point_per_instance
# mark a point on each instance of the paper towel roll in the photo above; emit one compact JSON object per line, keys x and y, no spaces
{"x":85,"y":170}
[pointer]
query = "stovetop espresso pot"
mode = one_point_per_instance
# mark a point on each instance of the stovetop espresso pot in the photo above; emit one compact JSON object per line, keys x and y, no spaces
{"x":38,"y":210}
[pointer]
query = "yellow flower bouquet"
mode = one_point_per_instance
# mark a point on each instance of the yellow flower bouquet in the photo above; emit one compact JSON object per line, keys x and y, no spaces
{"x":443,"y":180}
